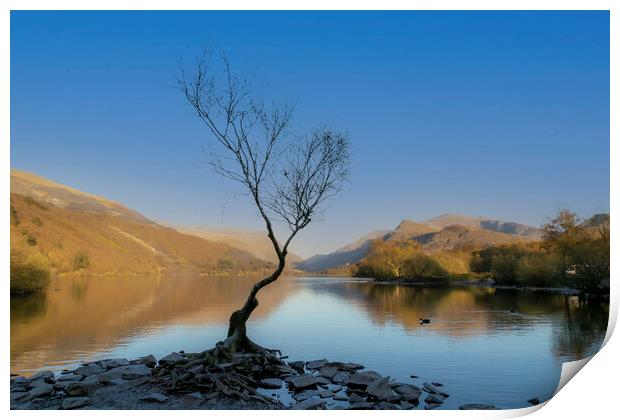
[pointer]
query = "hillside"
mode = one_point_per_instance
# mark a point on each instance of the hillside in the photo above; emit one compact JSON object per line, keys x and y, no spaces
{"x":73,"y":232}
{"x":500,"y":226}
{"x":254,"y":242}
{"x":348,"y":254}
{"x":449,"y":232}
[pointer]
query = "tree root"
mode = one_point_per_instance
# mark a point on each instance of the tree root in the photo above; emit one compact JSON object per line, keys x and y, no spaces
{"x":230,"y":369}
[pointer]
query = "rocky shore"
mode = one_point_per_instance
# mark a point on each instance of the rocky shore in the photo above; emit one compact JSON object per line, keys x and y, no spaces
{"x":203,"y":381}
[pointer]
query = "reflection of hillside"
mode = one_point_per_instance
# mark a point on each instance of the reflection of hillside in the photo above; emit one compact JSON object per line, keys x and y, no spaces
{"x":101,"y":312}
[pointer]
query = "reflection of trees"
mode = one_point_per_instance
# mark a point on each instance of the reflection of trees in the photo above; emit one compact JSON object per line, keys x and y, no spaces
{"x":465,"y":311}
{"x":583,"y":330}
{"x":95,"y":313}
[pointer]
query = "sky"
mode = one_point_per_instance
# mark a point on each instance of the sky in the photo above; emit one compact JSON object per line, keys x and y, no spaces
{"x":498,"y":114}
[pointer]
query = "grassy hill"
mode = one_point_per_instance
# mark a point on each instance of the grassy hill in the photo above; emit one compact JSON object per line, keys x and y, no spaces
{"x":67,"y":231}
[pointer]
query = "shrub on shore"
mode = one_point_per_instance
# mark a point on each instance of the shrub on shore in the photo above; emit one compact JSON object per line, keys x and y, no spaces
{"x":29,"y":272}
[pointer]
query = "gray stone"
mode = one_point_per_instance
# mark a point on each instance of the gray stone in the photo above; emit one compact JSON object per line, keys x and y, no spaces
{"x":477,"y":407}
{"x":381,"y":389}
{"x":322,"y":381}
{"x":340,"y":397}
{"x":113,"y":363}
{"x":434,"y":399}
{"x":86,"y":387}
{"x":362,"y":379}
{"x":328,"y":372}
{"x":193,"y":400}
{"x":75,"y":402}
{"x":304,"y":395}
{"x":155,"y":397}
{"x":271,"y":383}
{"x":325,"y":393}
{"x":302,"y":382}
{"x":316,"y":364}
{"x":388,"y":406}
{"x":433,"y":390}
{"x":362,"y":406}
{"x":16,"y":396}
{"x":335,"y":388}
{"x":45,"y":375}
{"x":18,"y":380}
{"x":88,"y":370}
{"x":352,"y":367}
{"x":171,"y":358}
{"x":298,"y":366}
{"x":309,"y":404}
{"x":125,"y":372}
{"x":70,"y":377}
{"x":341,"y":378}
{"x":41,"y":390}
{"x":408,"y":392}
{"x":148,"y":361}
{"x":431,"y":406}
{"x":356,"y":398}
{"x":406,"y":405}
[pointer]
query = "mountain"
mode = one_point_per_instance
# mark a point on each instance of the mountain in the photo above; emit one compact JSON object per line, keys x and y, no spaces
{"x":408,"y":229}
{"x":454,"y":237}
{"x":254,"y":242}
{"x":511,"y":228}
{"x":446,"y":232}
{"x":348,"y":254}
{"x":73,"y":231}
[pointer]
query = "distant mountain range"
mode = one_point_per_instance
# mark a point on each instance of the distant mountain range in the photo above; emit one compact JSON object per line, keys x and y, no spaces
{"x":447,"y":232}
{"x":75,"y":231}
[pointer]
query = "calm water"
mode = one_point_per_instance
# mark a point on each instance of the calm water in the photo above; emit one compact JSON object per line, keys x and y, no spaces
{"x":474,"y":345}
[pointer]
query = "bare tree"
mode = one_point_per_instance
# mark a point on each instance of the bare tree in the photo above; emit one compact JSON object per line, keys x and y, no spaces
{"x":288,"y":177}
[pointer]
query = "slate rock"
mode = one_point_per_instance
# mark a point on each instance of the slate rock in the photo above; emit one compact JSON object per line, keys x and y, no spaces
{"x":316,"y":364}
{"x":406,"y":405}
{"x":302,"y":382}
{"x":381,"y":389}
{"x":433,"y":390}
{"x":309,"y":404}
{"x":340,"y":397}
{"x":45,"y":375}
{"x":477,"y":407}
{"x":75,"y":402}
{"x":40,"y":390}
{"x":328,"y":372}
{"x":148,"y":361}
{"x":113,"y":363}
{"x":88,"y":370}
{"x":193,"y":400}
{"x":155,"y":397}
{"x":70,"y":377}
{"x":171,"y":358}
{"x":362,"y":379}
{"x":298,"y":366}
{"x":356,"y":398}
{"x":408,"y":392}
{"x":271,"y":383}
{"x":434,"y":399}
{"x":304,"y":395}
{"x":341,"y":378}
{"x":325,"y":394}
{"x":362,"y":406}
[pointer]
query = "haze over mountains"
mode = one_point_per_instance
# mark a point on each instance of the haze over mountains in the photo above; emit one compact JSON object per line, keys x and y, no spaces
{"x":61,"y":223}
{"x":445,"y":232}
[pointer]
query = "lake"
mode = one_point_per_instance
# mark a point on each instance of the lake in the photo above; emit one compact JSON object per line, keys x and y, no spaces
{"x":485,"y":345}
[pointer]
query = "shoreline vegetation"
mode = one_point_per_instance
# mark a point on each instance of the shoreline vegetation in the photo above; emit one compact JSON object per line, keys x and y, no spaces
{"x":216,"y":379}
{"x":572,"y":257}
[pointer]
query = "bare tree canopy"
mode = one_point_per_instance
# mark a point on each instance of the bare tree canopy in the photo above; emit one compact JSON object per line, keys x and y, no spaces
{"x":288,"y":176}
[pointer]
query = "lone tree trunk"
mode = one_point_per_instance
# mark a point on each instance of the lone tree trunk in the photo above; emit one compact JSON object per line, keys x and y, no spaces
{"x":288,"y":176}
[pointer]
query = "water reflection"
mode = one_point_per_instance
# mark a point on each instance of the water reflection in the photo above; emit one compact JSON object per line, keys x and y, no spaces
{"x":504,"y":345}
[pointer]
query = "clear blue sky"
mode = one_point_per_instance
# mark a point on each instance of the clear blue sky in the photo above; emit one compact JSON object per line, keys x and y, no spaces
{"x":498,"y":114}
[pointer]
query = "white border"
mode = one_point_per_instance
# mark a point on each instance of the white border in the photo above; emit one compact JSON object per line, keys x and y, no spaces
{"x":592,"y":396}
